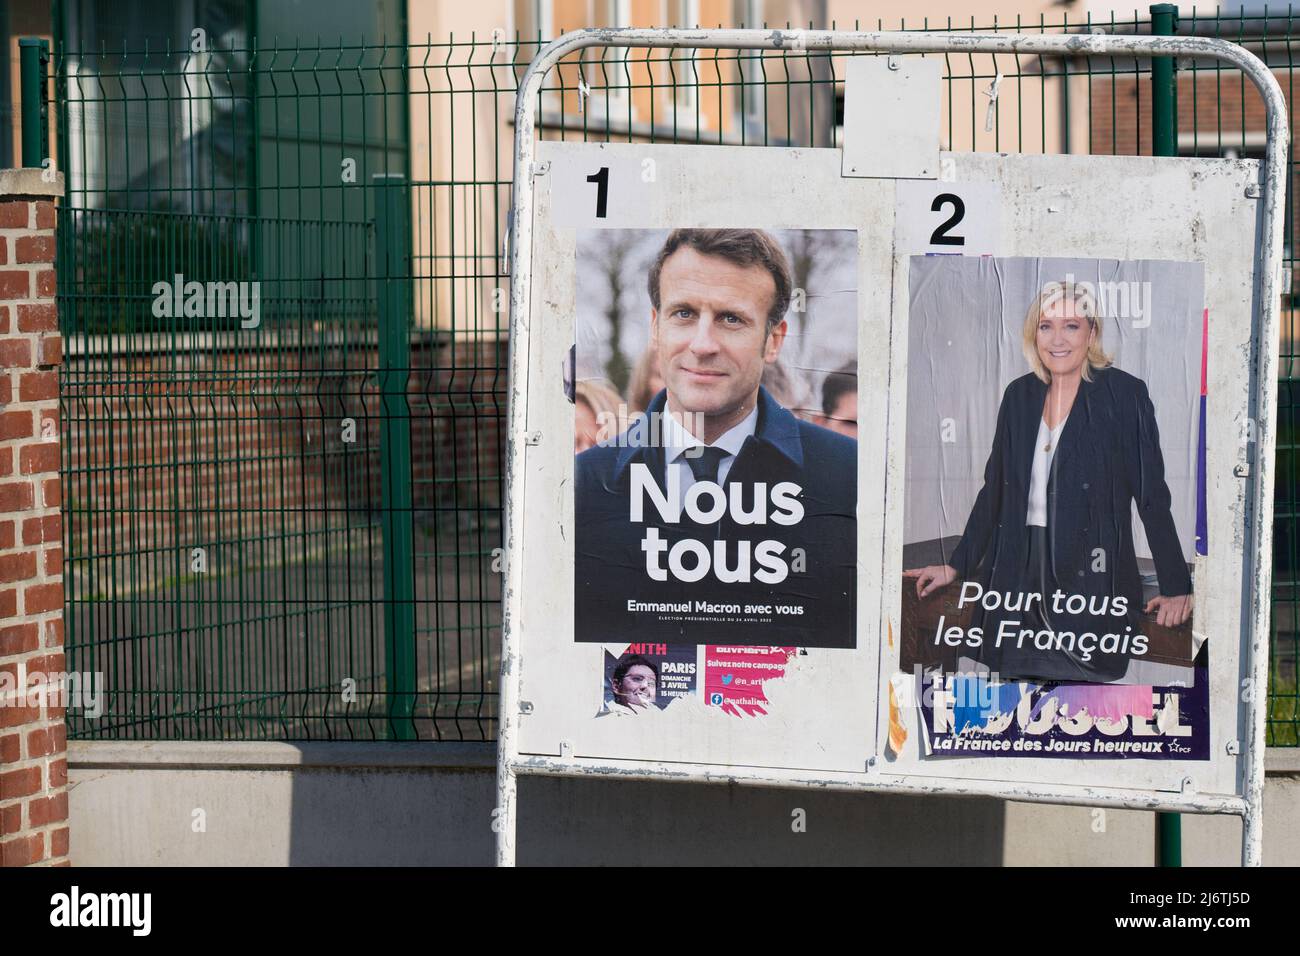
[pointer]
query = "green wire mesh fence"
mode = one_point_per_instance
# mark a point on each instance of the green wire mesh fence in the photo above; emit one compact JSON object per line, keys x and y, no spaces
{"x":286,"y":525}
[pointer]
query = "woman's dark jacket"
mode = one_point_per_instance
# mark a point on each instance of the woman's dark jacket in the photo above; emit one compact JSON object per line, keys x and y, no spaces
{"x":1108,"y":457}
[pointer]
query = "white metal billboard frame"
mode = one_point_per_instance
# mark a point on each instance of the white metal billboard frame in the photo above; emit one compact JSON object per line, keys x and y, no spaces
{"x":1267,"y":283}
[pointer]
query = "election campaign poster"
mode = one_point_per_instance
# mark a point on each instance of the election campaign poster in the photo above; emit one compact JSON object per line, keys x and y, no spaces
{"x":968,"y":715}
{"x":734,"y":677}
{"x":715,"y":432}
{"x":646,"y":678}
{"x":1054,"y":507}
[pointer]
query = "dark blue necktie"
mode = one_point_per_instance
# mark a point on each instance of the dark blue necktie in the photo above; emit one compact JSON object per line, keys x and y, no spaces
{"x":704,"y":462}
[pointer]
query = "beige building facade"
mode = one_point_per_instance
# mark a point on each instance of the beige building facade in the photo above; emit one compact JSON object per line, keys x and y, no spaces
{"x":462,"y":106}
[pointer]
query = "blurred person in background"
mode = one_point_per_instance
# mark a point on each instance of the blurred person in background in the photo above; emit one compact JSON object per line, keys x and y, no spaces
{"x":840,"y":402}
{"x":647,"y":381}
{"x":596,"y":407}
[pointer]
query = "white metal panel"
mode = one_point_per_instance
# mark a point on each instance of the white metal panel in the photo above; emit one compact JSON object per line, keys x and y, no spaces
{"x":1081,"y":206}
{"x":891,"y":117}
{"x":792,"y":189}
{"x":1255,"y":533}
{"x":821,"y":721}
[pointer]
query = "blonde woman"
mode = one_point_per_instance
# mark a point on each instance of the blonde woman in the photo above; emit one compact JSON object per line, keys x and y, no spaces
{"x":647,"y":381}
{"x":1076,"y":447}
{"x":598,"y":411}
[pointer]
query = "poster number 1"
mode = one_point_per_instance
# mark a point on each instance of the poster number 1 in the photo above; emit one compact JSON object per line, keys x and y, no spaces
{"x":601,"y":179}
{"x":939,"y":237}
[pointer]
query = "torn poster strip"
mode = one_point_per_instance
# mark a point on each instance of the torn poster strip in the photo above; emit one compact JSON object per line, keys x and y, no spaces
{"x":734,"y":676}
{"x":967,"y":715}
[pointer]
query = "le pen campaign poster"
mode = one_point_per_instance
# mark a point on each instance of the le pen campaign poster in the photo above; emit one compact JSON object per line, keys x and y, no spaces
{"x":1054,"y":506}
{"x":715,"y":403}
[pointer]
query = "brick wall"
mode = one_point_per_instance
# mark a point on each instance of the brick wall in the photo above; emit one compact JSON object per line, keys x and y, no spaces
{"x":1213,"y":111}
{"x":33,"y":763}
{"x":1121,"y":111}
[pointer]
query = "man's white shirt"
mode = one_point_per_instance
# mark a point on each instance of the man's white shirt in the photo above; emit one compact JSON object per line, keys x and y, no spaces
{"x":678,"y":440}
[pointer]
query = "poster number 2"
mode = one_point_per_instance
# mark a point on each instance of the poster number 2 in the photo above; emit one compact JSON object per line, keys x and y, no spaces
{"x":940,"y":236}
{"x":947,"y":219}
{"x":601,"y":179}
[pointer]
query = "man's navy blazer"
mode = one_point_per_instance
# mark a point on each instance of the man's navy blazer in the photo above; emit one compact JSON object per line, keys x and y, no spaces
{"x":1107,"y":459}
{"x":610,"y":565}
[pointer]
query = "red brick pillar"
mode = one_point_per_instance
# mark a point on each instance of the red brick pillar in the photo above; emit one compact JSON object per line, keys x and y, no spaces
{"x":33,"y":741}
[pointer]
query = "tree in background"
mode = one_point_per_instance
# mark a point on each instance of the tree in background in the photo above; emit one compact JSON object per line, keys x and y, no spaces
{"x":613,"y":259}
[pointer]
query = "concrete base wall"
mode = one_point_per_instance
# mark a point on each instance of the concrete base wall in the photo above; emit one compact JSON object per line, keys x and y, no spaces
{"x":431,"y":804}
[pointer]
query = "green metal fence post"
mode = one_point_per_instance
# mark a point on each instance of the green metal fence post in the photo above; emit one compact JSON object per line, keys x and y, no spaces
{"x":392,"y":242}
{"x":1164,"y":90}
{"x":32,"y":92}
{"x":1164,"y":142}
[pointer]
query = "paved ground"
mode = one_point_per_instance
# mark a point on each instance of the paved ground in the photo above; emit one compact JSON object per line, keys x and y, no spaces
{"x":254,"y":651}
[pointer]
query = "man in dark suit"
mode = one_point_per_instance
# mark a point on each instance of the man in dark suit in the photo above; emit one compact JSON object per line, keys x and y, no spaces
{"x":720,"y":517}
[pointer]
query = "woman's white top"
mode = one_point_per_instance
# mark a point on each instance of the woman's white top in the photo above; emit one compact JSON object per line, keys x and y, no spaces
{"x":1044,"y":450}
